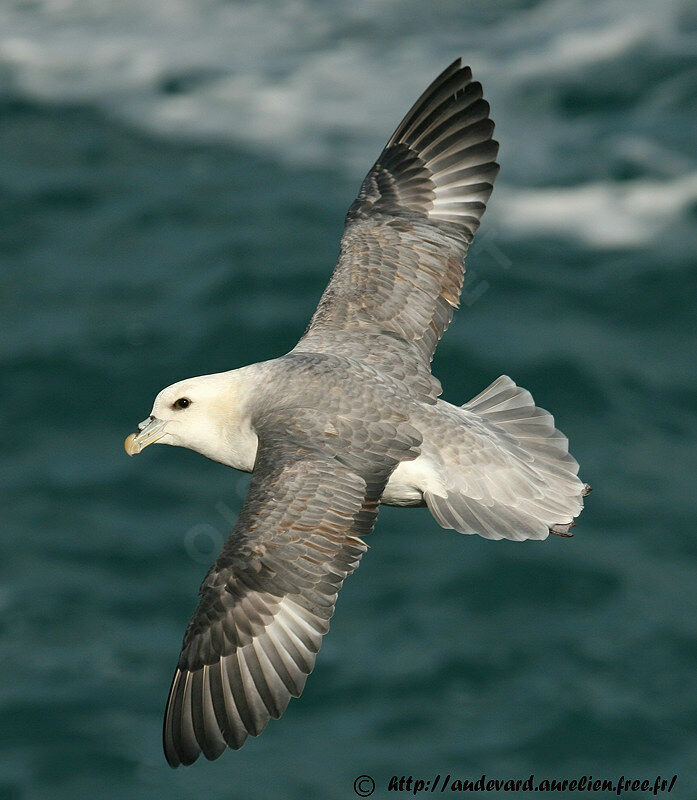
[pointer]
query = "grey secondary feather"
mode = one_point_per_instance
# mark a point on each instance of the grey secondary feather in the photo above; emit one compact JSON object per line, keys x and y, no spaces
{"x":349,"y":419}
{"x":400,"y":270}
{"x":267,"y":600}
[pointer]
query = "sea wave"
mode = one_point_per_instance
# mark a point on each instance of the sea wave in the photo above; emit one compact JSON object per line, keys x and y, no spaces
{"x":324,"y":84}
{"x":630,"y":214}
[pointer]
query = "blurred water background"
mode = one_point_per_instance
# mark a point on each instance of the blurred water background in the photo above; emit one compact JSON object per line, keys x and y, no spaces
{"x":173,"y":180}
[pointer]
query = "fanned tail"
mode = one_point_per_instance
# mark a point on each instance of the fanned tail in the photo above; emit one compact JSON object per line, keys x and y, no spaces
{"x":514,"y":478}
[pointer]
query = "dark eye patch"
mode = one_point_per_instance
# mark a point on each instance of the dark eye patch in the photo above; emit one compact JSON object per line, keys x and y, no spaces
{"x":183,"y":402}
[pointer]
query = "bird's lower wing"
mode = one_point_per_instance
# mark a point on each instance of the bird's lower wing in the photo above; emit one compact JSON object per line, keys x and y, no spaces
{"x":400,"y":269}
{"x":267,"y":601}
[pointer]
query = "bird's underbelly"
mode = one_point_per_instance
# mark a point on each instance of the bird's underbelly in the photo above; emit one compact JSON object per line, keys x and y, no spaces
{"x":409,"y":481}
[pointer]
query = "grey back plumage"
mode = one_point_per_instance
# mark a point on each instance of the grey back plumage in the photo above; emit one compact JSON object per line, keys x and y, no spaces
{"x":318,"y":477}
{"x":266,"y":602}
{"x":400,"y":270}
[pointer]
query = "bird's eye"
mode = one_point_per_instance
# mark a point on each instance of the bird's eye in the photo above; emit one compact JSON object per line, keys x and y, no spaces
{"x":183,"y":402}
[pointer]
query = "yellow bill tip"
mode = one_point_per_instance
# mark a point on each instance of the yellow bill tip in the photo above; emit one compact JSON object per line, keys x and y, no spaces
{"x":131,"y":446}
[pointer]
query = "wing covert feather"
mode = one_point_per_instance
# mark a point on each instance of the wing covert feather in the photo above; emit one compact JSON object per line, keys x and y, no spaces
{"x":267,"y":601}
{"x":400,"y":269}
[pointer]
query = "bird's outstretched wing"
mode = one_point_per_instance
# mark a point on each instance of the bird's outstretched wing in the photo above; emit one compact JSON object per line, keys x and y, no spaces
{"x":400,"y":269}
{"x":266,"y":602}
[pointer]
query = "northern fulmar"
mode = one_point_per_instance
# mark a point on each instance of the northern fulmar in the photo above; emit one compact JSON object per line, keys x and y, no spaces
{"x":351,"y":418}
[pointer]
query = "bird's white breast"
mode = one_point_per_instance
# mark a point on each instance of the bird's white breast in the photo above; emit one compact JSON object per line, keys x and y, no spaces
{"x":240,"y":450}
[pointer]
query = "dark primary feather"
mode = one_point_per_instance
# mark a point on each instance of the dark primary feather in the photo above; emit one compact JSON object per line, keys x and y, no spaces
{"x":318,"y":478}
{"x":400,"y":269}
{"x":267,"y":600}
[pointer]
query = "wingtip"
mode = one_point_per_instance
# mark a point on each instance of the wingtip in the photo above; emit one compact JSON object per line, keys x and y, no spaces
{"x":176,"y":755}
{"x":172,"y":762}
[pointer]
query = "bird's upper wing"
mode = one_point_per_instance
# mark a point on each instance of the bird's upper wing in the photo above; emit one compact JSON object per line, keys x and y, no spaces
{"x":400,"y":269}
{"x":266,"y":602}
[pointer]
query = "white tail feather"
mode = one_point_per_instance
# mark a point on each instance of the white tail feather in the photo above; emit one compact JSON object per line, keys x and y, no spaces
{"x":505,"y":469}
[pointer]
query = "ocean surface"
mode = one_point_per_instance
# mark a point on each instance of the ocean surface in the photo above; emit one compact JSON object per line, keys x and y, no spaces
{"x":173,"y":180}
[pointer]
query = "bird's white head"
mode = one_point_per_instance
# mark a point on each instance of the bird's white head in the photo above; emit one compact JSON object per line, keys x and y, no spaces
{"x":208,"y":414}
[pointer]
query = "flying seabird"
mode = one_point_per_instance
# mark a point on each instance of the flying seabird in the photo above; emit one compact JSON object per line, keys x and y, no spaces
{"x":351,"y":418}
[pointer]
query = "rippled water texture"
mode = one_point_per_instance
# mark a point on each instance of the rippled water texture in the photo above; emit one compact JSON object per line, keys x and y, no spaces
{"x":173,"y":181}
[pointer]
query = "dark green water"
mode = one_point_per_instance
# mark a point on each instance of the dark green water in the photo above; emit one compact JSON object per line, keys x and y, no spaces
{"x":130,"y":261}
